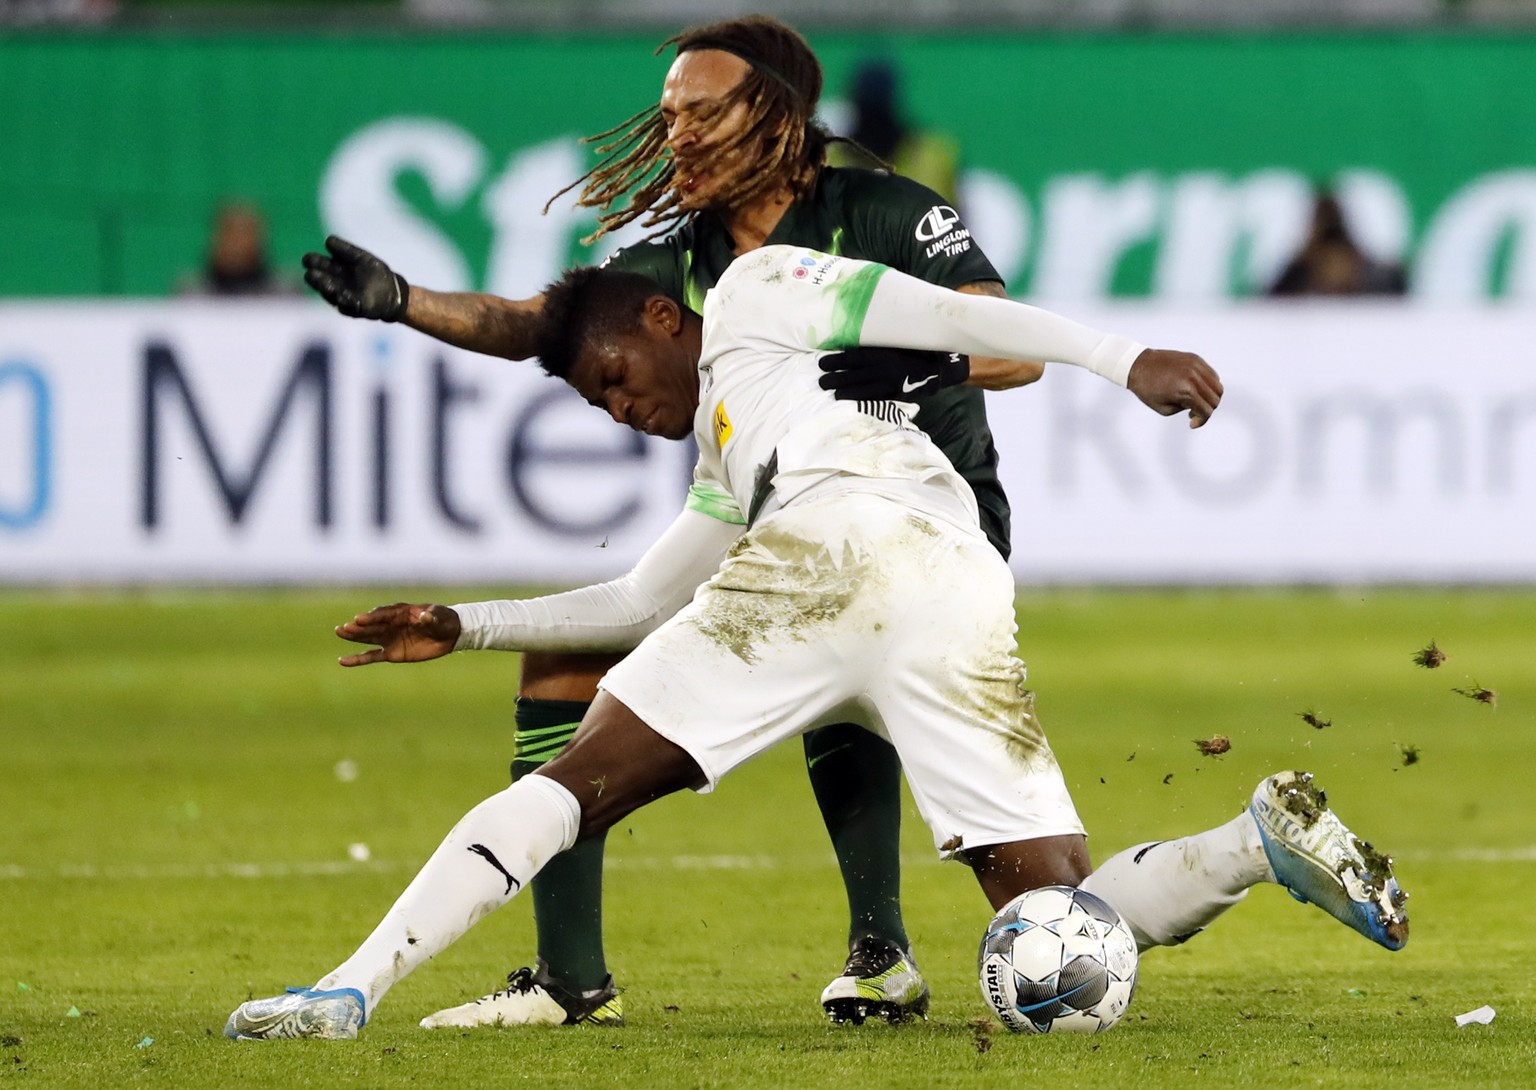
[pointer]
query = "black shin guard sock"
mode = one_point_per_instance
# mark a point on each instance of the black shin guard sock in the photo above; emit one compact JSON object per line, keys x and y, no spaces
{"x":856,"y":778}
{"x":568,"y":892}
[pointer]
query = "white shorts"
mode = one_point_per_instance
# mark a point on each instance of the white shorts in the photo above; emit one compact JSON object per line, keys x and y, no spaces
{"x":855,"y":608}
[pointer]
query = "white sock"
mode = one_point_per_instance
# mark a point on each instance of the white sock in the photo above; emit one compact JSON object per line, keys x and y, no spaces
{"x":494,"y":851}
{"x":1167,"y":891}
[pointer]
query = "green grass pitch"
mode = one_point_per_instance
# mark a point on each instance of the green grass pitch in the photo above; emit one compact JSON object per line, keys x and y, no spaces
{"x":175,"y":839}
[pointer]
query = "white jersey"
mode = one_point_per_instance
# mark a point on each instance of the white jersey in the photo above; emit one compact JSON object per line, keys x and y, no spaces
{"x":768,"y":321}
{"x":773,"y":314}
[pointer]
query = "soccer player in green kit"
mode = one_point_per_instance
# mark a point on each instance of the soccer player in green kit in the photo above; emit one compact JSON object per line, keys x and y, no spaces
{"x":729,"y":160}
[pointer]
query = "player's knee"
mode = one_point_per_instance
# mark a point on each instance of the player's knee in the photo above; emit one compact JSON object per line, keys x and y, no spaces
{"x":601,"y":807}
{"x":616,"y":764}
{"x":1007,"y":870}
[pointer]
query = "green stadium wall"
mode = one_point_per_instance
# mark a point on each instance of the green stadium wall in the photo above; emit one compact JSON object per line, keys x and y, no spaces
{"x":1169,"y":166}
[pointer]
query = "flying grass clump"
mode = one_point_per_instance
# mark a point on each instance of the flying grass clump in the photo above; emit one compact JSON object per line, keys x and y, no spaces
{"x":1478,"y":693}
{"x":1430,"y":657}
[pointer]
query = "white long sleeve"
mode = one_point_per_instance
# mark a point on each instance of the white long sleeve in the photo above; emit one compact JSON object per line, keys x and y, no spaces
{"x":612,"y":616}
{"x":906,"y":312}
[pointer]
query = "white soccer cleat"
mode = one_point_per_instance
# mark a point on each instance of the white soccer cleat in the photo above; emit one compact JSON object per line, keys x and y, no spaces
{"x":533,"y":997}
{"x":1321,"y":862}
{"x":299,"y":1012}
{"x":881,"y":980}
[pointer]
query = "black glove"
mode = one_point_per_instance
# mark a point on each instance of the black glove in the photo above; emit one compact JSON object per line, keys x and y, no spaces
{"x":356,"y":283}
{"x":891,"y":374}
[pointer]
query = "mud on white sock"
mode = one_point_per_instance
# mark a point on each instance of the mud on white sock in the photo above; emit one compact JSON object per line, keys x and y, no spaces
{"x":492,"y":853}
{"x":1167,"y":891}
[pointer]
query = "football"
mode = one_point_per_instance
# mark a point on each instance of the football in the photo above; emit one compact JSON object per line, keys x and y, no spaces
{"x":1058,"y":960}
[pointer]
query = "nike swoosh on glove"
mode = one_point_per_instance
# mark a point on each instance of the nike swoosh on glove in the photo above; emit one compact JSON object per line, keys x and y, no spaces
{"x":891,"y":374}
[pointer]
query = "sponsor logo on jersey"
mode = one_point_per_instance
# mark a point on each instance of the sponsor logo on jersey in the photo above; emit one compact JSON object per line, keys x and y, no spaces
{"x":815,"y":267}
{"x":940,"y":228}
{"x":824,"y":269}
{"x":936,"y":222}
{"x":722,"y":425}
{"x":889,"y":412}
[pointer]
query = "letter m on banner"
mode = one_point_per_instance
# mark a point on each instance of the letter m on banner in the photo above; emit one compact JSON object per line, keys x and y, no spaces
{"x":165,"y":382}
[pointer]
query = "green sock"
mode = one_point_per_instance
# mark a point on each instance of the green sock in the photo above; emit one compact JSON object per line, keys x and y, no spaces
{"x":568,"y":892}
{"x":856,"y":778}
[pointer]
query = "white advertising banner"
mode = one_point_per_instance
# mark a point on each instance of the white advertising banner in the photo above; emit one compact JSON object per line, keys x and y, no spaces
{"x":268,"y":441}
{"x":276,"y":442}
{"x":1355,"y":443}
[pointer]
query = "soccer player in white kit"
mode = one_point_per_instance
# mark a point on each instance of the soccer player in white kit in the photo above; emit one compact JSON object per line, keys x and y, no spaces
{"x":827,"y":567}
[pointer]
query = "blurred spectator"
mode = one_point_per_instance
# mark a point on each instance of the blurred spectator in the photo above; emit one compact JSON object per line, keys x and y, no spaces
{"x":1330,"y":262}
{"x":38,"y":12}
{"x":880,"y":126}
{"x":237,"y":257}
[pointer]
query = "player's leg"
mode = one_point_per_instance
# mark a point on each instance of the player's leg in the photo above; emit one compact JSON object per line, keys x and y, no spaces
{"x":553,"y":696}
{"x":569,"y":983}
{"x":778,"y":638}
{"x":491,"y":854}
{"x":856,"y":778}
{"x":982,"y":770}
{"x":1165,"y":897}
{"x":1167,"y":891}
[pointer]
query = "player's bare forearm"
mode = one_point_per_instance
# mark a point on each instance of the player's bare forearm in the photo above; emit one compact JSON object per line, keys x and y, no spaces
{"x":475,"y":321}
{"x":994,"y":374}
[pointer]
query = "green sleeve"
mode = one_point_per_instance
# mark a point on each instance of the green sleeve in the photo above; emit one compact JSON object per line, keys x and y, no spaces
{"x":665,"y":261}
{"x":897,"y":222}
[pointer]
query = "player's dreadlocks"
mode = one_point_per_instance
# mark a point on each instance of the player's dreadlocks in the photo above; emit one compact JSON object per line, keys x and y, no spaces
{"x":781,"y":92}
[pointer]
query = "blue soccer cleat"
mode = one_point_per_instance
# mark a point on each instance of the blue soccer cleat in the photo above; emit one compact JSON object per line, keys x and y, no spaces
{"x":299,"y":1012}
{"x":1321,"y":862}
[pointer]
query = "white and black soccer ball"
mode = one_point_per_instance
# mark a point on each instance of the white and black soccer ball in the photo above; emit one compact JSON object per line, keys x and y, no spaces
{"x":1058,"y":960}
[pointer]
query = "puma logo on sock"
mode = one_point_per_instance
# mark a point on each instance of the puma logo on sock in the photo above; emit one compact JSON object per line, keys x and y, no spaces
{"x":490,"y":857}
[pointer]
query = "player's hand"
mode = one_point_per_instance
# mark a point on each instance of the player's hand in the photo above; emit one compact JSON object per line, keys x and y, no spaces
{"x":1172,"y":382}
{"x":402,"y":633}
{"x":891,"y":374}
{"x":356,"y":283}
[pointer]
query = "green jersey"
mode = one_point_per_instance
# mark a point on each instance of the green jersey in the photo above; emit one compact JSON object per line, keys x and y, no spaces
{"x":871,"y":216}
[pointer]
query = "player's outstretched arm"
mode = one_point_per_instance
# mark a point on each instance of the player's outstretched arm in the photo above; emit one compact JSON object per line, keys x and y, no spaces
{"x":904,"y":374}
{"x":911,"y":313}
{"x":402,"y":632}
{"x":989,"y":372}
{"x":611,"y":616}
{"x":360,"y":285}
